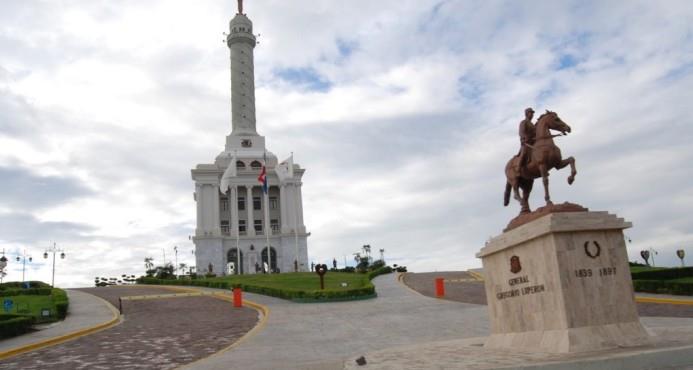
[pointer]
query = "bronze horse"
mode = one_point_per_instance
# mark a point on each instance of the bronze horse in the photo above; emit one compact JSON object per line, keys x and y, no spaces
{"x":544,"y":156}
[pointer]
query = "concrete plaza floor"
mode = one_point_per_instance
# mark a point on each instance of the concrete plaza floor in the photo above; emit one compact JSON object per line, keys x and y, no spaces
{"x":324,"y":335}
{"x":402,"y":329}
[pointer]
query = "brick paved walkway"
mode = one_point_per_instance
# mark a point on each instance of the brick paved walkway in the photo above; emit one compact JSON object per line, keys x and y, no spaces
{"x":155,"y":334}
{"x":460,"y":288}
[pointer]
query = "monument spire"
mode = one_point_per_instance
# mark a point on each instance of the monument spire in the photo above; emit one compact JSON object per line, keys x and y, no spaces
{"x":241,"y":43}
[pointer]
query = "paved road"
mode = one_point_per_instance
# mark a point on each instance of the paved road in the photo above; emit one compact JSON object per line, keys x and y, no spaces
{"x":155,"y":334}
{"x":323,"y":336}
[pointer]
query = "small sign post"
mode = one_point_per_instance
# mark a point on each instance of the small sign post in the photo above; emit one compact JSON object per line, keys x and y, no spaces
{"x":321,"y":269}
{"x":680,"y":253}
{"x":7,"y":304}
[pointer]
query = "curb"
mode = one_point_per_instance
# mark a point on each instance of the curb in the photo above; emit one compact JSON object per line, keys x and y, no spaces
{"x":476,"y":275}
{"x":66,"y":337}
{"x":688,"y":302}
{"x":400,"y":279}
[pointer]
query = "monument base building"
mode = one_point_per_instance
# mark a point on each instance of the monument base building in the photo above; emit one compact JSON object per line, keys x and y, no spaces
{"x":249,"y":206}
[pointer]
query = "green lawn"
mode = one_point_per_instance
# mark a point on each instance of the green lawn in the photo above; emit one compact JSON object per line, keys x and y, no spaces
{"x":299,"y":280}
{"x":32,"y":305}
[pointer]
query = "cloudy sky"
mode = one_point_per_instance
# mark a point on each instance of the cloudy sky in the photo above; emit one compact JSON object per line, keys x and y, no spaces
{"x":403,"y":112}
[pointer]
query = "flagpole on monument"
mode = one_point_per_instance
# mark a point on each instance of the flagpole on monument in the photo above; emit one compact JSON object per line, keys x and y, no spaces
{"x":265,"y":191}
{"x":234,"y":196}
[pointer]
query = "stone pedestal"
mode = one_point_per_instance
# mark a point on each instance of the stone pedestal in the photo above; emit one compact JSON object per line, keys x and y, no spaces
{"x":561,"y":283}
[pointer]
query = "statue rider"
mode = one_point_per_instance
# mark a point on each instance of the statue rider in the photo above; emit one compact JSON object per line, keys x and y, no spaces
{"x":527,"y":135}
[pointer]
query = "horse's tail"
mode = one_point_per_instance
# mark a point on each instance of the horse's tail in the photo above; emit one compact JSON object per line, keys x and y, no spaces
{"x":506,"y":197}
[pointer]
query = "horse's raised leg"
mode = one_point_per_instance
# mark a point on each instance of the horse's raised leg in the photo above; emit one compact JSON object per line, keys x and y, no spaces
{"x":545,"y":179}
{"x":569,"y":161}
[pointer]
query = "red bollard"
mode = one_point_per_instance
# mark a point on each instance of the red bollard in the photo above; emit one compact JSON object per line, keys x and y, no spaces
{"x":237,"y":297}
{"x":440,"y":287}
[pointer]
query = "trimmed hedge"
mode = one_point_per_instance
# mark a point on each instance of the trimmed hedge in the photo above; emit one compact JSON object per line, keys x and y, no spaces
{"x":663,"y":287}
{"x":61,"y":303}
{"x":11,"y":325}
{"x":20,"y":285}
{"x":379,"y":271}
{"x":665,"y":274}
{"x":30,"y":291}
{"x":289,"y":294}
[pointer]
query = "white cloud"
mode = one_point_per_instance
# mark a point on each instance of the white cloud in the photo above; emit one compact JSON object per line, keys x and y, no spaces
{"x":404,"y":148}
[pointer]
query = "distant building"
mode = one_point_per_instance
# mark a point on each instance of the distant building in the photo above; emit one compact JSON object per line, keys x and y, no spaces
{"x":238,"y":215}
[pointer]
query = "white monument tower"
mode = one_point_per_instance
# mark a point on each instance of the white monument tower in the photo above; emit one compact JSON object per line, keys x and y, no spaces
{"x":235,"y":211}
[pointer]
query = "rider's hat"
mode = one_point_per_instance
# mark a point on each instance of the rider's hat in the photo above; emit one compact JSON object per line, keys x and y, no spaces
{"x":529,"y":110}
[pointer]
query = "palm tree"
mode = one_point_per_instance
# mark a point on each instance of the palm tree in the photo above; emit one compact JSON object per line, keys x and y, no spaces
{"x":367,"y":251}
{"x":182,"y":266}
{"x":148,"y":263}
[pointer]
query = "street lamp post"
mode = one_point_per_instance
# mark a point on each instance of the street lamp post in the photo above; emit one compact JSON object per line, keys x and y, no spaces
{"x":22,"y":257}
{"x":53,"y":250}
{"x":3,"y":264}
{"x":652,"y":254}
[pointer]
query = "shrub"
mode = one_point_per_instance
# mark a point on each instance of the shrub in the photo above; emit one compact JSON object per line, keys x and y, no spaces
{"x":376,"y":265}
{"x":665,"y":274}
{"x":61,"y":303}
{"x":379,"y":271}
{"x":663,"y":287}
{"x":11,"y":325}
{"x":289,"y":294}
{"x":30,"y":291}
{"x":20,"y":285}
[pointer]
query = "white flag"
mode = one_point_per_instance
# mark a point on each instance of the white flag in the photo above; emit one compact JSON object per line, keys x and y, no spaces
{"x":229,"y":174}
{"x":285,"y":170}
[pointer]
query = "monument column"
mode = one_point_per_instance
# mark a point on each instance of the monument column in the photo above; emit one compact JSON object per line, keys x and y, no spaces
{"x":299,"y":211}
{"x":216,"y":225}
{"x":233,"y":199}
{"x":198,"y":200}
{"x":282,"y":210}
{"x":250,"y":227}
{"x":241,"y":43}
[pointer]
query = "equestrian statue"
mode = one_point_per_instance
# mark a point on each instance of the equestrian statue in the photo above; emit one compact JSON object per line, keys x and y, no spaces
{"x":538,"y":154}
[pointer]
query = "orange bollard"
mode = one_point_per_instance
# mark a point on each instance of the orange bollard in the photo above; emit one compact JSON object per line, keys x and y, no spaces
{"x":440,"y":287}
{"x":237,"y":297}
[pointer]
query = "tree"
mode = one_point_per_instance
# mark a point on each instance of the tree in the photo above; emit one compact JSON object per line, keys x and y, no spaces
{"x":164,"y":272}
{"x":149,"y":266}
{"x":367,"y":251}
{"x":181,"y":267}
{"x":363,"y":264}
